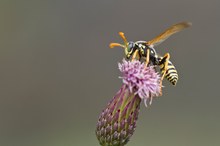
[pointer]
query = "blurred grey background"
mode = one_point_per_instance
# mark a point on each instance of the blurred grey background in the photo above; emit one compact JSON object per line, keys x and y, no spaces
{"x":57,"y":72}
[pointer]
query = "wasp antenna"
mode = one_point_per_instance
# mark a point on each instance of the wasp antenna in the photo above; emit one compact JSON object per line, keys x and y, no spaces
{"x":123,"y":37}
{"x":112,"y":45}
{"x":187,"y":24}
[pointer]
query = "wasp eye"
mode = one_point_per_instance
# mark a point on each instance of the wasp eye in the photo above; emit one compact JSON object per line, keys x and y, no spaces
{"x":130,"y":46}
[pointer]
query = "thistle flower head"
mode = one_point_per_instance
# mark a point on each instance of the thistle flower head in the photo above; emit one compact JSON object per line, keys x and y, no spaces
{"x":117,"y":121}
{"x":141,"y":80}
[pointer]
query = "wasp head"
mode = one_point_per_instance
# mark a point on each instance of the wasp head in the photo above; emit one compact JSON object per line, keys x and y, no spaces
{"x":130,"y":49}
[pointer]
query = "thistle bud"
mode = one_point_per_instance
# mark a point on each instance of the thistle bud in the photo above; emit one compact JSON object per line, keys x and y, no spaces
{"x":117,"y":121}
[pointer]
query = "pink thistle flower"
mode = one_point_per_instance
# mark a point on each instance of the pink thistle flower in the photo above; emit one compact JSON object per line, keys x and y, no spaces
{"x":117,"y":121}
{"x":141,"y":80}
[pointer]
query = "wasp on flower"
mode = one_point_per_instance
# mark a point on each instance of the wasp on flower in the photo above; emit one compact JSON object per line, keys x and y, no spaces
{"x":145,"y":49}
{"x":141,"y":81}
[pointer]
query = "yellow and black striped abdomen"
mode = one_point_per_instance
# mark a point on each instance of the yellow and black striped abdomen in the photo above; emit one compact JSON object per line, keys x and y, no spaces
{"x":171,"y":72}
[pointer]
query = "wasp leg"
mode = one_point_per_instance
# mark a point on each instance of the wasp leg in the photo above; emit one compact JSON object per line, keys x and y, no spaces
{"x":166,"y":59}
{"x":147,"y":58}
{"x":134,"y":55}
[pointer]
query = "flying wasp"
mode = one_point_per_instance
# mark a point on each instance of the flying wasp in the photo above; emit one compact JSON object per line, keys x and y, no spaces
{"x":144,"y":50}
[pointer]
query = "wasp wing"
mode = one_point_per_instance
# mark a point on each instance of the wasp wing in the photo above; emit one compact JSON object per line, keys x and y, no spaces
{"x":170,"y":31}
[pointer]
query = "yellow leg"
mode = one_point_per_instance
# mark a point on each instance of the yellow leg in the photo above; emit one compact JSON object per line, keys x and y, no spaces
{"x":134,"y":55}
{"x":147,"y":58}
{"x":167,"y":58}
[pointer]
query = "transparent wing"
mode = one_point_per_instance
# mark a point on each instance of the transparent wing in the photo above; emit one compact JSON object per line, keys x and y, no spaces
{"x":170,"y":31}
